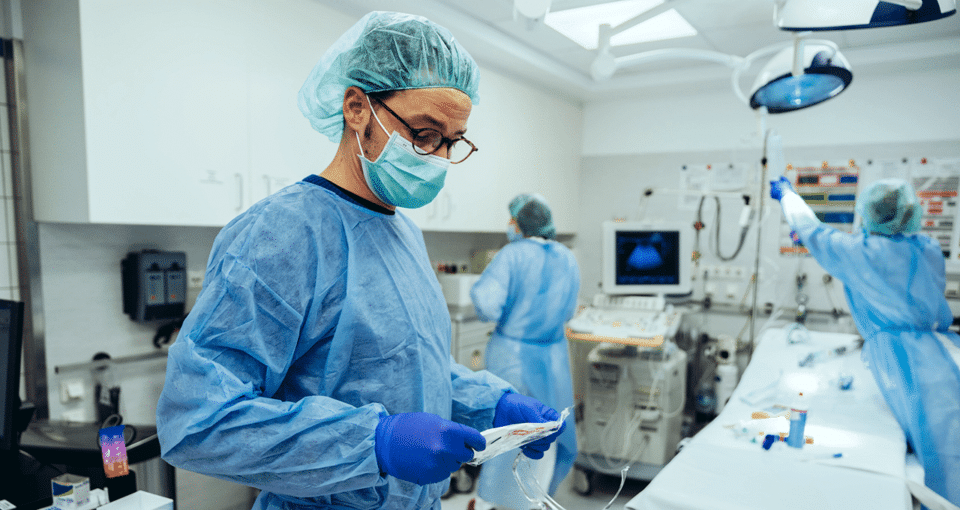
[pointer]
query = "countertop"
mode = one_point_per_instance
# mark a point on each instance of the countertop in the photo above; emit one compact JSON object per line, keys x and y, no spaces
{"x":462,"y":313}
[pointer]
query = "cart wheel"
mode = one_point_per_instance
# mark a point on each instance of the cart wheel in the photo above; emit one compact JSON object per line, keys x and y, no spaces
{"x":583,"y":481}
{"x":464,"y":481}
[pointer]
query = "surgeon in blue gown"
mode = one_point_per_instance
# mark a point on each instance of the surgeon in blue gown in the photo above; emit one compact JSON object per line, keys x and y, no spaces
{"x":315,"y":364}
{"x":894,"y":280}
{"x":530,"y":289}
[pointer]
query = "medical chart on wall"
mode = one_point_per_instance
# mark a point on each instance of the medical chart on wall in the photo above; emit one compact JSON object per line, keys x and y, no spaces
{"x":830,"y":189}
{"x":937,"y":183}
{"x":699,"y":180}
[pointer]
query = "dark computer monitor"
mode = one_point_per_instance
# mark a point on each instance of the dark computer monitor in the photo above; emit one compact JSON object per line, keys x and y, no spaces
{"x":642,"y":258}
{"x":11,"y":340}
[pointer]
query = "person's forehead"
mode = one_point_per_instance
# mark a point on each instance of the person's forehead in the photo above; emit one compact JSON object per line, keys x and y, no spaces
{"x":438,"y":103}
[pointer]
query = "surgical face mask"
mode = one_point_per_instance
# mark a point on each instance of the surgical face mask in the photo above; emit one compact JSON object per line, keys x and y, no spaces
{"x":513,"y":232}
{"x":400,"y":177}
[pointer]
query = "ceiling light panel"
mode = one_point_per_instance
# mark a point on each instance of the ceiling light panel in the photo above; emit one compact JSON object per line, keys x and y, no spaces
{"x":582,"y":24}
{"x":669,"y":25}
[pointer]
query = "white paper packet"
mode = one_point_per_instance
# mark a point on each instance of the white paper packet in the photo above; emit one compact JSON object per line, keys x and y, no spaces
{"x":503,"y":439}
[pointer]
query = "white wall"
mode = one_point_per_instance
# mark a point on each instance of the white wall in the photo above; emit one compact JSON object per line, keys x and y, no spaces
{"x":875,"y":109}
{"x":631,"y":145}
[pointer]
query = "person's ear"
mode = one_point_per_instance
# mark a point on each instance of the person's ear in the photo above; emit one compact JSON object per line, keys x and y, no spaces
{"x":356,"y":109}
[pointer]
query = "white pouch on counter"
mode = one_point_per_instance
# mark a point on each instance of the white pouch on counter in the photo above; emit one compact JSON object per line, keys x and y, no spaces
{"x":503,"y":439}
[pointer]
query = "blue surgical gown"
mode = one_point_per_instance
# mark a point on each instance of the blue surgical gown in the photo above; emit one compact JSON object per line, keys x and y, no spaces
{"x":317,"y":314}
{"x":895,"y":288}
{"x":530,"y":289}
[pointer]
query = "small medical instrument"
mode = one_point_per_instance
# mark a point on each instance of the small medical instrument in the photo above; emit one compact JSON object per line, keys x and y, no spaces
{"x":798,"y":421}
{"x":819,"y":356}
{"x":541,"y":499}
{"x":503,"y":439}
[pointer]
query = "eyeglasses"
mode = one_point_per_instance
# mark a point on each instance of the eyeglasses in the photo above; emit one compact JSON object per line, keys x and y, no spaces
{"x":428,"y":141}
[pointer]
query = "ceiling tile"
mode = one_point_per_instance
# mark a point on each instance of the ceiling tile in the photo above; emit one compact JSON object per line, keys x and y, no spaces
{"x":709,"y":14}
{"x":745,"y":39}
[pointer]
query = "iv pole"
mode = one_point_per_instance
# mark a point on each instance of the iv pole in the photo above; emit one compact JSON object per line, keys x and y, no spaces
{"x":772,"y":160}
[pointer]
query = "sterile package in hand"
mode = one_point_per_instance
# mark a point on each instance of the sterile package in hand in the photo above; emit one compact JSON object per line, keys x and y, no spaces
{"x":503,"y":439}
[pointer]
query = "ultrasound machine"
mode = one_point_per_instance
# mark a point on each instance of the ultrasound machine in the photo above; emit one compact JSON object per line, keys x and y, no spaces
{"x":635,"y":379}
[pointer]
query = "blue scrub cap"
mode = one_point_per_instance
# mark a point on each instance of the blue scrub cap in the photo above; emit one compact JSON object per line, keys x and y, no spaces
{"x":533,"y":216}
{"x":888,"y":207}
{"x":385,"y":51}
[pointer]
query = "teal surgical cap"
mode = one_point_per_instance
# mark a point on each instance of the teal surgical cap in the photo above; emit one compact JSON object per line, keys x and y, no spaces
{"x":533,"y":215}
{"x":385,"y":51}
{"x":888,"y":207}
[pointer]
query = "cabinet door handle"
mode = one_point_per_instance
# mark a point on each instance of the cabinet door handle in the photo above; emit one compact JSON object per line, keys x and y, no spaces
{"x":239,"y":192}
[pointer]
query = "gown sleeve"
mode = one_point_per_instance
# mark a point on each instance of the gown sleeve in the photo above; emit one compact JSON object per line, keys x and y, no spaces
{"x":475,"y":395}
{"x":216,"y":414}
{"x":831,"y":248}
{"x":489,"y":294}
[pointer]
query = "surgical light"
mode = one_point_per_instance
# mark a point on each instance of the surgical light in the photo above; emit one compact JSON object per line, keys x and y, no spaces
{"x":808,"y":15}
{"x":797,"y":78}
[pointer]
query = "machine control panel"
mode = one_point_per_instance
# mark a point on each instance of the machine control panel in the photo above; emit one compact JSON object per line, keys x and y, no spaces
{"x":633,"y":317}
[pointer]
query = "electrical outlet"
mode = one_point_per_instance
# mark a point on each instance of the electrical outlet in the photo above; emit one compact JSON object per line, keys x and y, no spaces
{"x":71,"y":390}
{"x":195,"y":279}
{"x":732,"y":290}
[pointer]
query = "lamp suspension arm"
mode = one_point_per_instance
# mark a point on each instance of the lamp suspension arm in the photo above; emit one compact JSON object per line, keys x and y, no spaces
{"x":731,"y":61}
{"x":754,"y":308}
{"x":798,"y":47}
{"x":797,"y":68}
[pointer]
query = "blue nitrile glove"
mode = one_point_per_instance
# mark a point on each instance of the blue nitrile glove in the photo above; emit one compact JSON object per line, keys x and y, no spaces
{"x":516,"y":408}
{"x":780,"y":187}
{"x":422,"y":447}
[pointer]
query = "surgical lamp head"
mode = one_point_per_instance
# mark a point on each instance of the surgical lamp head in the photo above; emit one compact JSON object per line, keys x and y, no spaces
{"x":813,"y":15}
{"x":823,"y":74}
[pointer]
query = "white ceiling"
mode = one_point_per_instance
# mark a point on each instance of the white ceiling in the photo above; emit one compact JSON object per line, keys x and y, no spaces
{"x":539,"y":55}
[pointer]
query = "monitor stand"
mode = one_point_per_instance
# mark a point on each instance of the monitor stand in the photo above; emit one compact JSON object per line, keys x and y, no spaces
{"x":28,"y":486}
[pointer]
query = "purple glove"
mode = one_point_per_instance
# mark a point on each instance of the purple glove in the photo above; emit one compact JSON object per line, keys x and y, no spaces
{"x":780,"y":187}
{"x":516,"y":408}
{"x":422,"y":447}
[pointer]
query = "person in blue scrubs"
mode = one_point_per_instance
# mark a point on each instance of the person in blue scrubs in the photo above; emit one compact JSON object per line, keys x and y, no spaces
{"x":315,"y":364}
{"x":530,"y":289}
{"x":894,"y":280}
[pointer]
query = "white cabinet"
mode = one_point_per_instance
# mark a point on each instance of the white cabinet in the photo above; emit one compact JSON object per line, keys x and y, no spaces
{"x":469,"y":342}
{"x":287,"y":43}
{"x":176,"y":112}
{"x":185,"y":113}
{"x":528,"y":141}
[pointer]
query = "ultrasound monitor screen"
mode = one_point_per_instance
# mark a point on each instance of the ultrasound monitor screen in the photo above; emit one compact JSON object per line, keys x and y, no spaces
{"x":647,"y":258}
